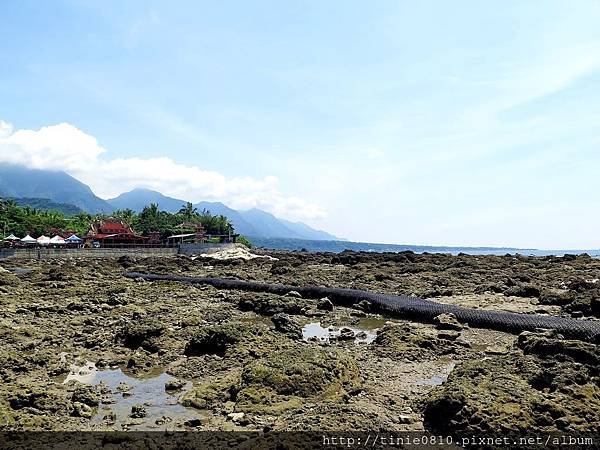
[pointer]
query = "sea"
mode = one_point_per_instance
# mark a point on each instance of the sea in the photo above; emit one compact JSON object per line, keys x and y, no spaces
{"x":340,"y":246}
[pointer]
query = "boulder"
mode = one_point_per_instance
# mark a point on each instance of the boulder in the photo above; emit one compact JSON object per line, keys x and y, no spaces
{"x":447,"y":322}
{"x":325,"y":304}
{"x":287,"y":325}
{"x":346,"y":334}
{"x":82,"y":410}
{"x":138,"y":332}
{"x":217,"y":339}
{"x":522,"y":291}
{"x":138,"y":411}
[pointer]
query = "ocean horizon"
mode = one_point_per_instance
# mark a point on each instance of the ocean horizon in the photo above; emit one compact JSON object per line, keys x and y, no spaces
{"x":337,"y":246}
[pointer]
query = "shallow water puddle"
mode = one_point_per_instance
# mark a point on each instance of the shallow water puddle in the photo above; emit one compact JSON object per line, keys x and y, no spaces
{"x":439,"y":378}
{"x":162,"y":408}
{"x":314,"y":331}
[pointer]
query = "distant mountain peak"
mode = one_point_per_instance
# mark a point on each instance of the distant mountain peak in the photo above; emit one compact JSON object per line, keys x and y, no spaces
{"x":56,"y":185}
{"x":60,"y":187}
{"x":138,"y":198}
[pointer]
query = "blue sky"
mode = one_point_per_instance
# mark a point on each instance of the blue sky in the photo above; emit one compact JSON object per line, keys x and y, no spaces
{"x":412,"y":122}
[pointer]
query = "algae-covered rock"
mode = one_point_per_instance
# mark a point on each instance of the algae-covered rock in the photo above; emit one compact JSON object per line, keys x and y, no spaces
{"x":523,"y":291}
{"x":549,"y":346}
{"x":214,"y":392}
{"x":137,"y":332}
{"x":8,"y":279}
{"x":483,"y":396}
{"x":405,"y":341}
{"x":555,"y":297}
{"x":286,"y":376}
{"x":40,"y":398}
{"x":544,"y":384}
{"x":216,"y":339}
{"x":86,"y":395}
{"x":287,"y":325}
{"x":325,"y":304}
{"x":270,"y":304}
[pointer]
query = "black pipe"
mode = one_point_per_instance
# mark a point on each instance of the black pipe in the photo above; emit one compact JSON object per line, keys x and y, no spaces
{"x":407,"y":307}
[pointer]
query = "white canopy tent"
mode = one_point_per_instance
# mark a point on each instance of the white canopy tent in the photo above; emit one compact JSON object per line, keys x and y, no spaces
{"x":57,"y":240}
{"x":28,"y":240}
{"x":11,"y":238}
{"x":43,"y":240}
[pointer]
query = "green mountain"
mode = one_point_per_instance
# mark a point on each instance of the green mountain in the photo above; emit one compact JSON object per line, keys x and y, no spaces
{"x":138,"y":198}
{"x":45,"y":204}
{"x":66,"y":194}
{"x":21,"y":182}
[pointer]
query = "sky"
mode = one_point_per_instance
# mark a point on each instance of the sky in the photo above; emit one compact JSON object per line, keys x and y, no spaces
{"x":430,"y":122}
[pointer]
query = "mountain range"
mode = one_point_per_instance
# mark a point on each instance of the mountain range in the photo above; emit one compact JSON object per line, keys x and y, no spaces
{"x":26,"y":185}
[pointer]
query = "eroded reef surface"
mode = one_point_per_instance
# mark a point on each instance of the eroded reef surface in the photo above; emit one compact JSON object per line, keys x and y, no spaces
{"x":84,"y":348}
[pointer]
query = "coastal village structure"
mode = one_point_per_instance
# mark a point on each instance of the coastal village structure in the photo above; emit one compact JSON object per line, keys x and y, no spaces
{"x":112,"y":233}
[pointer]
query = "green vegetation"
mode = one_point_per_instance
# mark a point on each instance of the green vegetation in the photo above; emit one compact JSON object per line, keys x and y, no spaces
{"x":22,"y":220}
{"x":244,"y":241}
{"x":151,"y":218}
{"x":27,"y":220}
{"x":45,"y":204}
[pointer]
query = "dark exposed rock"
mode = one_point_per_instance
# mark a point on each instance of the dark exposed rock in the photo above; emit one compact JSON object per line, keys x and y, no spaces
{"x":139,"y":332}
{"x":447,"y":322}
{"x":287,"y":325}
{"x":138,"y":411}
{"x":40,"y":398}
{"x":345,"y":334}
{"x":82,"y":410}
{"x":193,"y":423}
{"x":547,"y":345}
{"x":522,"y":291}
{"x":216,"y":339}
{"x":56,"y":274}
{"x":580,"y":285}
{"x":174,"y":385}
{"x":279,"y":268}
{"x":489,"y":287}
{"x":555,"y":297}
{"x":246,"y":304}
{"x":325,"y":304}
{"x":86,"y":395}
{"x":364,"y":305}
{"x":126,"y":261}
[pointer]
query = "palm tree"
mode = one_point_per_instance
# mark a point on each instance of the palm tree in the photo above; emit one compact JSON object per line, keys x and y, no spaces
{"x":188,"y":211}
{"x":126,"y":215}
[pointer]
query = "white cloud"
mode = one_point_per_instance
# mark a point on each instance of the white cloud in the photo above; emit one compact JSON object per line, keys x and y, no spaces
{"x":65,"y":147}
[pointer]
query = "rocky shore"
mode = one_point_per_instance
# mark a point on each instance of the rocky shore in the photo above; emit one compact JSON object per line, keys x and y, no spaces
{"x":85,"y":349}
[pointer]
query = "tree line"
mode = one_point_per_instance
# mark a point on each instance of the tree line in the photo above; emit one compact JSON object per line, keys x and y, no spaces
{"x":22,"y":220}
{"x":151,"y":219}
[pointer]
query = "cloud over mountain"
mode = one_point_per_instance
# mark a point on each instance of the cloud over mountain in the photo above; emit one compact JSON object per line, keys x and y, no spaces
{"x":65,"y":147}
